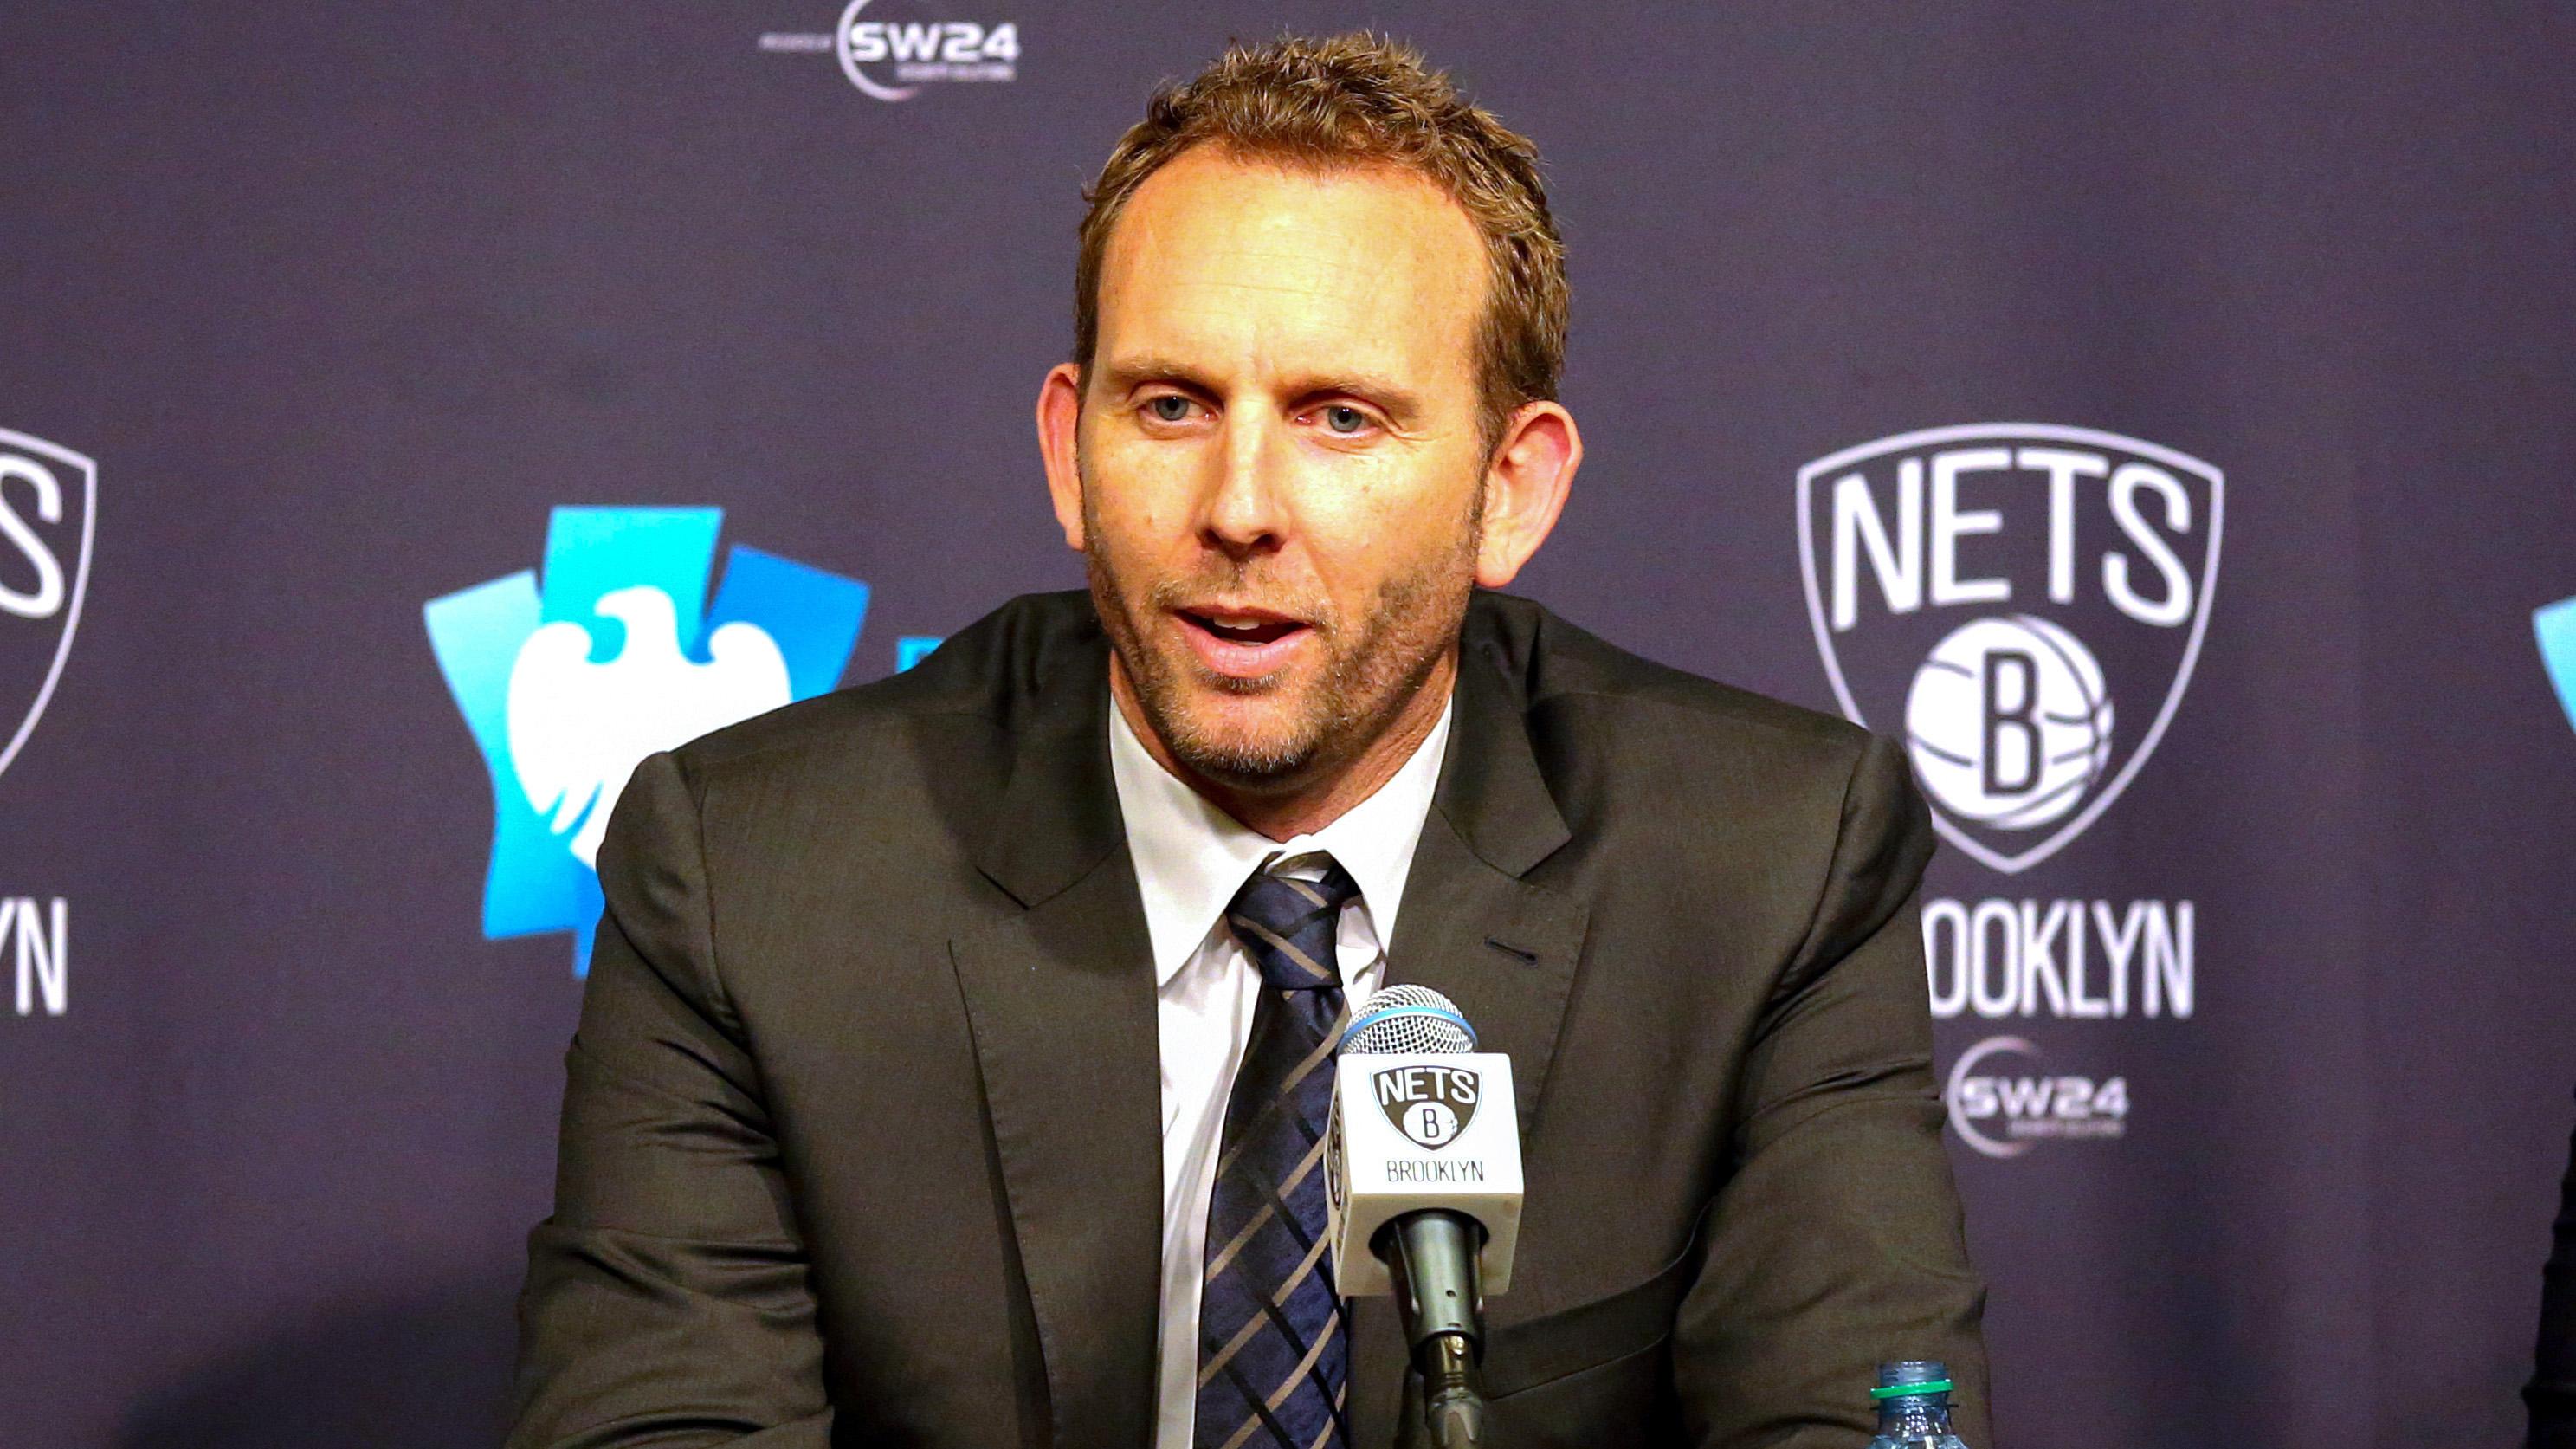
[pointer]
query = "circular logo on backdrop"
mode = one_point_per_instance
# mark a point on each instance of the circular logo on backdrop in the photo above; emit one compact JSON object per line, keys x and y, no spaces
{"x":2008,"y":722}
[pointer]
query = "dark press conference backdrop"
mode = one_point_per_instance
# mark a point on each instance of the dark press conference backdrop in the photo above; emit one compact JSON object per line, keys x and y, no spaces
{"x":2159,"y":415}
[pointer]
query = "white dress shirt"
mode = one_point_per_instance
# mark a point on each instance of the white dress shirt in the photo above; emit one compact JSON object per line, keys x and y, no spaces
{"x":1190,"y":860}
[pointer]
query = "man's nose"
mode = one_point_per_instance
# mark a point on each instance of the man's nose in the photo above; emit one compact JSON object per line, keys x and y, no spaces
{"x":1246,"y":507}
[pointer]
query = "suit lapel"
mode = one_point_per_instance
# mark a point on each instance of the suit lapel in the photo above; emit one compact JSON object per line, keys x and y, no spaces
{"x":1500,"y":947}
{"x":1061,"y":1001}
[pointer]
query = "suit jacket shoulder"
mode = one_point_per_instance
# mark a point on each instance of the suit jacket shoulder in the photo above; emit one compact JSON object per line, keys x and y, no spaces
{"x":922,"y":757}
{"x":1705,"y":785}
{"x":885,"y":813}
{"x":990,"y":676}
{"x":1559,"y":664}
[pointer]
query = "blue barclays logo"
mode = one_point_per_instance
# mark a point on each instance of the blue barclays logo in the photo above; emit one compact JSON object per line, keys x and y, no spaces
{"x":567,"y":685}
{"x":2555,"y":625}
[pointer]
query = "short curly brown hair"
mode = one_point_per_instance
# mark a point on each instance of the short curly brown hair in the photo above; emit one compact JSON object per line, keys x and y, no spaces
{"x":1351,"y":100}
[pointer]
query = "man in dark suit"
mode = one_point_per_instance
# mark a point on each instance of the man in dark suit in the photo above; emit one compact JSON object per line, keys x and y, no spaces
{"x":945,"y":1071}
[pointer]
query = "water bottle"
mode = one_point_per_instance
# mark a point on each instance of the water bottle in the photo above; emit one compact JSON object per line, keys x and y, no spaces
{"x":1914,"y":1407}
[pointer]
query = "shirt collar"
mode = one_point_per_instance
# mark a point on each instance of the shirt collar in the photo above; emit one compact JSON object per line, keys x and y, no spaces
{"x":1191,"y":857}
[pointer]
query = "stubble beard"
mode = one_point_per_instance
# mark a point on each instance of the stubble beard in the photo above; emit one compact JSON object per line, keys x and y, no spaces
{"x":1368,"y":678}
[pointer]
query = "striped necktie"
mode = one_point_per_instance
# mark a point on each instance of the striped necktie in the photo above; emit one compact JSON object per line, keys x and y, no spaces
{"x":1273,"y":1350}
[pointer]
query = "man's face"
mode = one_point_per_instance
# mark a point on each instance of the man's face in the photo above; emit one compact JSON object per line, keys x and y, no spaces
{"x":1279,"y":458}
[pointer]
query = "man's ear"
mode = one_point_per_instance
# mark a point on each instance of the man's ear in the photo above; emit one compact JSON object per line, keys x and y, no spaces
{"x":1525,"y":488}
{"x":1059,"y":444}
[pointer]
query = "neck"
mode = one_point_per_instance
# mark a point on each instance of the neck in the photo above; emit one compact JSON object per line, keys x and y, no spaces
{"x":1316,"y":798}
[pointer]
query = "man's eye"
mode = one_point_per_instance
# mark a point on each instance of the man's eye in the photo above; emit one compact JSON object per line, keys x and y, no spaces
{"x":1342,"y":419}
{"x":1170,"y":407}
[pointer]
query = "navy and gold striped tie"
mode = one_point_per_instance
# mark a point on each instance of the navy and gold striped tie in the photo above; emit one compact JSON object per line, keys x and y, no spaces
{"x":1273,"y":1352}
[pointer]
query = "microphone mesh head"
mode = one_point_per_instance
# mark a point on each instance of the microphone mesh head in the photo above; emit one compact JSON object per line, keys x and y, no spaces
{"x":1408,"y":1019}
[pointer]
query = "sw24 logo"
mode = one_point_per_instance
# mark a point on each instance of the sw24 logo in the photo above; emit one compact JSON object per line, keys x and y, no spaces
{"x":2002,"y":1112}
{"x":923,"y":51}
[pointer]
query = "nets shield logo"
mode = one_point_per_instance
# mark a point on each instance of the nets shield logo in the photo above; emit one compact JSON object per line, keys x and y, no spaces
{"x":48,"y":515}
{"x":2025,"y":600}
{"x":568,"y":685}
{"x":1430,"y":1105}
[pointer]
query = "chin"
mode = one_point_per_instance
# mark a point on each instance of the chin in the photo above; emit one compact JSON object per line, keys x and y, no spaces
{"x":1220,"y":744}
{"x":1250,"y":773}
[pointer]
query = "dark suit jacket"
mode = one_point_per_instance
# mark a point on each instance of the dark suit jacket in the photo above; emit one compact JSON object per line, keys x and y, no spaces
{"x":862,"y":1143}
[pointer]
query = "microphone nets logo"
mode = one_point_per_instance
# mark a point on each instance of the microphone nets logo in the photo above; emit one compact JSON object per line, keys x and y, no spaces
{"x":567,"y":684}
{"x":1429,"y":1105}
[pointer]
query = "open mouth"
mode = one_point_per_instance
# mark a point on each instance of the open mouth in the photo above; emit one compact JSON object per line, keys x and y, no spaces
{"x":1243,"y":629}
{"x":1242,"y":644}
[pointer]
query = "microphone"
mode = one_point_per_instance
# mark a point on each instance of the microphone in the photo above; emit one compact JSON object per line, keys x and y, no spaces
{"x":1424,"y":1157}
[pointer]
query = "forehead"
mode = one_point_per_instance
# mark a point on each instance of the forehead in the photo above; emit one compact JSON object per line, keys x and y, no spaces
{"x":1230,"y":260}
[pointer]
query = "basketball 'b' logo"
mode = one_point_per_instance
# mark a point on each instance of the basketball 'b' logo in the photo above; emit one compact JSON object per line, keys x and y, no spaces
{"x":2009,"y":722}
{"x":2025,"y":600}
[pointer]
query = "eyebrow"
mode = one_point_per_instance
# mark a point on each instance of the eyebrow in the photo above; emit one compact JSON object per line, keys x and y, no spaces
{"x":1128,"y":373}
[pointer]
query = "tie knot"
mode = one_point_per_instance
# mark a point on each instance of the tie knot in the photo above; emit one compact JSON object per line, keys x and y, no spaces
{"x":1287,"y":926}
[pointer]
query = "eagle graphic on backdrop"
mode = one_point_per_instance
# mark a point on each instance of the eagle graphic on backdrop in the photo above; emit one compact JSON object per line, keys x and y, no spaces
{"x":621,"y":652}
{"x":579,"y":729}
